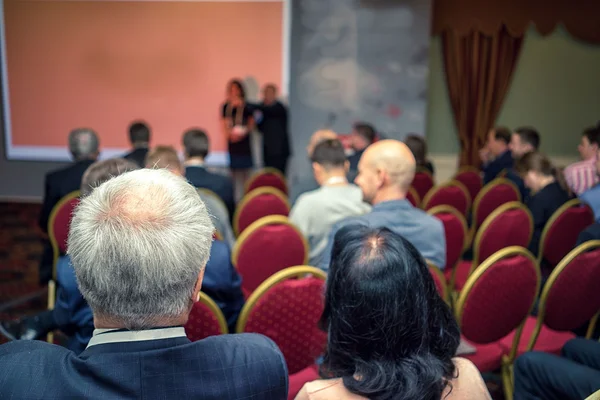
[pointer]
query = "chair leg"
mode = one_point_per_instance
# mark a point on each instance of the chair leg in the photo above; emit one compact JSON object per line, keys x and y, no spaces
{"x":507,"y":378}
{"x":51,"y":302}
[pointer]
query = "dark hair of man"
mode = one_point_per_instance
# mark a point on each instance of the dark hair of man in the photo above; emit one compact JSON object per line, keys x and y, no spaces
{"x":196,"y":143}
{"x":366,"y":131}
{"x":390,"y":335}
{"x":139,"y":132}
{"x":329,"y":154}
{"x":529,"y":135}
{"x":593,"y":134}
{"x":502,"y":133}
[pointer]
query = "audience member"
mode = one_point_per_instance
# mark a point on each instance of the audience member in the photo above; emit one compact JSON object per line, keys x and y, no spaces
{"x":545,"y":376}
{"x":196,"y":148}
{"x":316,"y":211}
{"x":71,"y":313}
{"x":418,"y":146}
{"x":548,"y":191}
{"x":385,"y":173}
{"x":522,"y":141}
{"x":592,"y":232}
{"x":363,"y":135}
{"x":139,"y":244}
{"x":139,"y":136}
{"x":84,"y":148}
{"x":274,"y":128}
{"x":592,"y":196}
{"x":495,"y":156}
{"x":391,"y":336}
{"x":582,"y":175}
{"x":308,"y":183}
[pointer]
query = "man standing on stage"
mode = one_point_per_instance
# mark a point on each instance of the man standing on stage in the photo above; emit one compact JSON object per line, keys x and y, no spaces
{"x":274,"y":127}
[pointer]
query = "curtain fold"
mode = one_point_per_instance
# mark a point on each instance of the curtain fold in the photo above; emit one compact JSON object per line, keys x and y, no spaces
{"x":478,"y":71}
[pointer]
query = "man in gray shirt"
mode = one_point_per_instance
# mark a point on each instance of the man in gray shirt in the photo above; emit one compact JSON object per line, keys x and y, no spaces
{"x":385,"y":173}
{"x":315,"y":212}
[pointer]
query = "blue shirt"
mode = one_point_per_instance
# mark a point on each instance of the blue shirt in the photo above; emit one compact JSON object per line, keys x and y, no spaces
{"x":592,"y":198}
{"x":425,"y":232}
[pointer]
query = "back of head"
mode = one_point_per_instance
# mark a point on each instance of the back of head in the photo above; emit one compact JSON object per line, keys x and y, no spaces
{"x":196,"y":143}
{"x":390,"y":333}
{"x":84,"y":144}
{"x":502,"y":133}
{"x":318,"y":137}
{"x":138,"y":243}
{"x":329,"y":154}
{"x":529,"y":136}
{"x":164,"y":157}
{"x":395,"y":158}
{"x":101,"y":171}
{"x":366,"y":131}
{"x":593,"y":134}
{"x":536,"y":162}
{"x":139,"y":133}
{"x":418,"y":146}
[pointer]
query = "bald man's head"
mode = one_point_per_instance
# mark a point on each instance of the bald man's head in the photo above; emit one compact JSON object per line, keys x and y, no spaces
{"x":318,"y":137}
{"x":386,"y":169}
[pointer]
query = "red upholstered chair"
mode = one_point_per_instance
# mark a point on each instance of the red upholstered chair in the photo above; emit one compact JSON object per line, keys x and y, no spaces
{"x":267,"y":177}
{"x":440,"y":281}
{"x":267,"y":246}
{"x":286,"y":308}
{"x":456,"y":233}
{"x":259,"y":203}
{"x":413,"y":197}
{"x":510,"y":224}
{"x":423,"y":182}
{"x":471,"y":178}
{"x":493,"y":195}
{"x":206,"y":319}
{"x":562,"y":229}
{"x":452,"y":194}
{"x":496,"y":300}
{"x":570,"y":298}
{"x":58,"y":226}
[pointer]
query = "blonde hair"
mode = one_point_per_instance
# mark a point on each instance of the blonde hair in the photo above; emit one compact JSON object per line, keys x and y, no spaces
{"x":163,"y":157}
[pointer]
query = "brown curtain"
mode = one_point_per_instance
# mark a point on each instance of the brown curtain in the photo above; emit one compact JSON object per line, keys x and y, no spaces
{"x":478,"y":72}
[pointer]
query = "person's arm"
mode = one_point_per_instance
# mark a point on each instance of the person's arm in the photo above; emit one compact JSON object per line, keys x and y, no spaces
{"x":490,"y":171}
{"x":536,"y":207}
{"x":570,"y":178}
{"x":250,"y":124}
{"x":300,"y":215}
{"x":225,"y":123}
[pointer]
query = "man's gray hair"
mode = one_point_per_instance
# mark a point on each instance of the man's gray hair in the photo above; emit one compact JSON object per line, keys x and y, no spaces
{"x":101,"y":171}
{"x":138,"y":243}
{"x":83,"y":143}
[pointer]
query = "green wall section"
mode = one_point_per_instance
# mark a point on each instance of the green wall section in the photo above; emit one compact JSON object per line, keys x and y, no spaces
{"x":555,"y":88}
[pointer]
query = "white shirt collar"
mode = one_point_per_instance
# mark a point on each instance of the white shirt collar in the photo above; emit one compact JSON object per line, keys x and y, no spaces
{"x":103,"y":336}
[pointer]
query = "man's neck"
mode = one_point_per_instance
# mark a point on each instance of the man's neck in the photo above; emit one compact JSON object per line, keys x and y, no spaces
{"x":389,"y":194}
{"x":335,"y":178}
{"x":140,"y":145}
{"x":546,"y":181}
{"x":102,"y":322}
{"x":197,"y":161}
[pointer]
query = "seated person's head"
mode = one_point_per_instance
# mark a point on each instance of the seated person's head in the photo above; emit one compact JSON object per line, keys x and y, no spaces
{"x":385,"y":171}
{"x":329,"y":160}
{"x":536,"y":169}
{"x":497,"y":140}
{"x":523,"y":140}
{"x":318,"y":137}
{"x":164,"y":157}
{"x":590,"y":143}
{"x":418,"y":147}
{"x":139,"y":134}
{"x":363,"y":135}
{"x":101,"y":171}
{"x":390,"y":333}
{"x":138,"y":244}
{"x":84,"y":144}
{"x":195,"y":144}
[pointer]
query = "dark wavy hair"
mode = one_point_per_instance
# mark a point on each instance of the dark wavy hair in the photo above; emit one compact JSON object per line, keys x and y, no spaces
{"x":390,"y":335}
{"x":238,"y":83}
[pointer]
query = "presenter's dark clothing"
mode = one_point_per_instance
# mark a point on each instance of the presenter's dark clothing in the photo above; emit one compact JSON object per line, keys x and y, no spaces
{"x":148,"y":365}
{"x":492,"y":169}
{"x":274,"y":127}
{"x":137,"y":156}
{"x":240,"y":153}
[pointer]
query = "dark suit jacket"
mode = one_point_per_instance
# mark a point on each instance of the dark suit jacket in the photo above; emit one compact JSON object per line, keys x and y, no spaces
{"x":274,"y":127}
{"x":137,"y":156}
{"x":222,"y":185}
{"x":58,"y":184}
{"x":246,"y":366}
{"x":592,"y":232}
{"x":493,"y":168}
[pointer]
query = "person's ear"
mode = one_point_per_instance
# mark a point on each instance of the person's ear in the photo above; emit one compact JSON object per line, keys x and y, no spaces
{"x":198,"y":285}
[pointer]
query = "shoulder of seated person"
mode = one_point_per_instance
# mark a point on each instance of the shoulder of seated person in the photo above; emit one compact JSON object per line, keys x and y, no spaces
{"x":250,"y":341}
{"x":31,"y":348}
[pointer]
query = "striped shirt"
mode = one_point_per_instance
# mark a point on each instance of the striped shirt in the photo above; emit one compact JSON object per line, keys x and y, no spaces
{"x":581,"y":175}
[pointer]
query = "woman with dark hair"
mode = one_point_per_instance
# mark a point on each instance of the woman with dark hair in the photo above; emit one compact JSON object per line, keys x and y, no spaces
{"x":238,"y":122}
{"x":418,"y":146}
{"x":548,"y":191}
{"x":390,"y":335}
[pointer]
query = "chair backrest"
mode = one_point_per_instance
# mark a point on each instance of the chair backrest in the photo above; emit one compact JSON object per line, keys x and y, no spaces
{"x":452,"y":194}
{"x":206,"y":319}
{"x":413,"y":197}
{"x":471,"y":178}
{"x":440,"y":281}
{"x":493,"y":195}
{"x":498,"y":296}
{"x":455,"y":231}
{"x":511,"y":224}
{"x":571,"y":295}
{"x":562,"y":229}
{"x":287,"y":308}
{"x":260,"y":202}
{"x":59,"y":223}
{"x":267,"y":177}
{"x":269,"y":245}
{"x":422,"y":182}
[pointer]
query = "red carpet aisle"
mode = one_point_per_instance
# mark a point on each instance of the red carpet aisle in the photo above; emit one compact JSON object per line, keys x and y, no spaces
{"x":20,"y":251}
